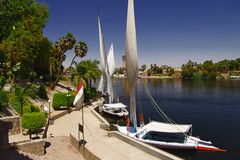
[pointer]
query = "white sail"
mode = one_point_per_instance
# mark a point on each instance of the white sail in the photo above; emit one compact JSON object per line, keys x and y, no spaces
{"x":104,"y":66}
{"x":131,"y":60}
{"x":102,"y":82}
{"x":111,"y":60}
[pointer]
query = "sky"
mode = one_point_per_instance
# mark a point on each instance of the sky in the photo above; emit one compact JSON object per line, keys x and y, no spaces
{"x":169,"y":32}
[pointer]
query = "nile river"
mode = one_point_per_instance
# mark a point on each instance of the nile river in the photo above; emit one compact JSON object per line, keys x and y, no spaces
{"x":212,"y":107}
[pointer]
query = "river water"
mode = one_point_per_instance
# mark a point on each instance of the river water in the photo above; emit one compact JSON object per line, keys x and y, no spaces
{"x":212,"y":107}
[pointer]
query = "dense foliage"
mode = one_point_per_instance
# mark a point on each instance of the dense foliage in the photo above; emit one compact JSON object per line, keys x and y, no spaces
{"x":3,"y":98}
{"x":42,"y":92}
{"x":209,"y":69}
{"x":62,"y":100}
{"x":21,"y":32}
{"x":33,"y":121}
{"x":87,"y":70}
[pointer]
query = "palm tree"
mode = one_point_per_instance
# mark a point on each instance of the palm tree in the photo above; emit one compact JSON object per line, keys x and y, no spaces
{"x":87,"y":70}
{"x":58,"y":54}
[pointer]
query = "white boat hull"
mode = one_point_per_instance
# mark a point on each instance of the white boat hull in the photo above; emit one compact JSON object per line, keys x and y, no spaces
{"x":113,"y":112}
{"x":191,"y":143}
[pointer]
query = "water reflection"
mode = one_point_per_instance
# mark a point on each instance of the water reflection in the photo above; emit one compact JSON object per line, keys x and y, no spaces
{"x":211,"y":106}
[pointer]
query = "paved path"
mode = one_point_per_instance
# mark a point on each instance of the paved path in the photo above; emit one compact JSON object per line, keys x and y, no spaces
{"x":60,"y":149}
{"x":108,"y":148}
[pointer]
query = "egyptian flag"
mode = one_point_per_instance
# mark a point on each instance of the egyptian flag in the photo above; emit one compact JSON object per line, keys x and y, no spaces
{"x":79,"y":97}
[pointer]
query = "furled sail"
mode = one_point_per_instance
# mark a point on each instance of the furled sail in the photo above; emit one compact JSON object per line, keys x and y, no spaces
{"x":131,"y":60}
{"x":103,"y":79}
{"x":111,"y":60}
{"x":109,"y":78}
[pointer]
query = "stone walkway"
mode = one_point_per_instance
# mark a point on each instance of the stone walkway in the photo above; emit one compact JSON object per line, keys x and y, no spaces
{"x":60,"y":149}
{"x":107,"y":148}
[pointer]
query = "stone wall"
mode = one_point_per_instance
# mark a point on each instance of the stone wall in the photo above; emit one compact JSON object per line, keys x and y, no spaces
{"x":35,"y":147}
{"x":16,"y":128}
{"x":83,"y":150}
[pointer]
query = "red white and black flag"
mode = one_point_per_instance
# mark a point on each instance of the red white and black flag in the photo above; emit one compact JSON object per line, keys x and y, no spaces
{"x":79,"y":97}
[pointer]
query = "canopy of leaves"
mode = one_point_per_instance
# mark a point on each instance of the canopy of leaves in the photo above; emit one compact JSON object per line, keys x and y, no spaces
{"x":88,"y":70}
{"x":21,"y":26}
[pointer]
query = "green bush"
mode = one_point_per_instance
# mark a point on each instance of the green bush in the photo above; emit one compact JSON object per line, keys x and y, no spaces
{"x":30,"y":109}
{"x":33,"y":121}
{"x":13,"y":101}
{"x":61,"y":101}
{"x":3,"y":98}
{"x":42,"y":92}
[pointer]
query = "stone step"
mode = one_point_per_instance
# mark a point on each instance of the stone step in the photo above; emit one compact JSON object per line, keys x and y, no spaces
{"x":30,"y":156}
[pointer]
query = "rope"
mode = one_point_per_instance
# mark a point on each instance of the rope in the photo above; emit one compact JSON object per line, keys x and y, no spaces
{"x":160,"y":112}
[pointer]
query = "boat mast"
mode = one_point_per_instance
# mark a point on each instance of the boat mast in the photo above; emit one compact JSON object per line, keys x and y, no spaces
{"x":131,"y":60}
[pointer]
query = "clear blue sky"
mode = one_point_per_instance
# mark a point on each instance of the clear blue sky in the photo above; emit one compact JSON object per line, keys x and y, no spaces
{"x":168,"y":31}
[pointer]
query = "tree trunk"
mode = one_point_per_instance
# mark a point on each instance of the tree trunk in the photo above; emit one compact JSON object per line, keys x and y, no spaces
{"x":50,"y":70}
{"x":46,"y":129}
{"x":61,"y":74}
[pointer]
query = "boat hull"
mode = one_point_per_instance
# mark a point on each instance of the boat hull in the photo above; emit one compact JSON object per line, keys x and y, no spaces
{"x":191,"y":143}
{"x":124,"y":112}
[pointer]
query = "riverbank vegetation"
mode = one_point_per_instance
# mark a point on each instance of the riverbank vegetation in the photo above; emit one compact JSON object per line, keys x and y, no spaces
{"x":210,"y":70}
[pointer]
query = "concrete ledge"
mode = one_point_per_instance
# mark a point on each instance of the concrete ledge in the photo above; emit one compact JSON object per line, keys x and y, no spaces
{"x":144,"y":147}
{"x":15,"y":120}
{"x":58,"y":114}
{"x":35,"y":147}
{"x":83,"y":150}
{"x":104,"y":123}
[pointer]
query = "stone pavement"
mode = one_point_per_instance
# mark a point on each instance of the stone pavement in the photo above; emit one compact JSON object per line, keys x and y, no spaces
{"x":59,"y":148}
{"x":98,"y":141}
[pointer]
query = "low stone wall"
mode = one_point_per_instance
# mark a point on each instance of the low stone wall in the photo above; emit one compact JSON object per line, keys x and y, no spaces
{"x":104,"y":123}
{"x":16,"y":128}
{"x":36,"y":147}
{"x":83,"y":150}
{"x":144,"y":147}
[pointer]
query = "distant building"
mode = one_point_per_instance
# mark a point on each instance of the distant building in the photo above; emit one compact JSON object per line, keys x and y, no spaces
{"x":165,"y":69}
{"x":177,"y":69}
{"x":124,"y":62}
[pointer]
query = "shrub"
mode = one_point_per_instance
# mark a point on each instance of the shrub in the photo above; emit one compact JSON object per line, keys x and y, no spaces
{"x":60,"y":100}
{"x":42,"y":92}
{"x":33,"y":121}
{"x":13,"y":101}
{"x":3,"y":98}
{"x":30,"y":109}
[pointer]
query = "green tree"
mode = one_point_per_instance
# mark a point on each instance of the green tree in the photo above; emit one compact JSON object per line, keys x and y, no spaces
{"x":209,"y":70}
{"x":88,"y":70}
{"x":42,"y":62}
{"x":21,"y":31}
{"x":144,"y":67}
{"x":58,"y":55}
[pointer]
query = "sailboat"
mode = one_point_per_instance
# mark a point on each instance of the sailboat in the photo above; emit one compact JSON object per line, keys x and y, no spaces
{"x":107,"y":64}
{"x":160,"y":134}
